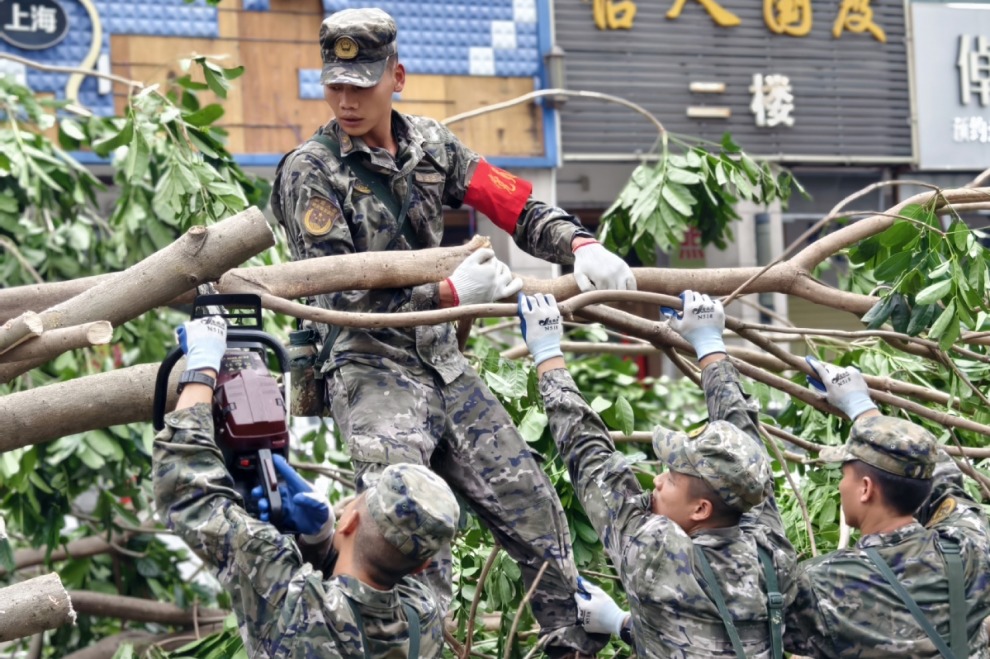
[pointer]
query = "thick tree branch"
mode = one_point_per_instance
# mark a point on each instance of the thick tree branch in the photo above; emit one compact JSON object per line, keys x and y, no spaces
{"x":49,"y":345}
{"x":140,"y":610}
{"x":33,"y":606}
{"x":18,"y":330}
{"x":82,"y":548}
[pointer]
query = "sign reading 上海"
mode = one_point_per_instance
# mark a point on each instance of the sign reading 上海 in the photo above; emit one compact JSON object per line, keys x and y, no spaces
{"x":812,"y":80}
{"x":32,"y":24}
{"x":952,"y":79}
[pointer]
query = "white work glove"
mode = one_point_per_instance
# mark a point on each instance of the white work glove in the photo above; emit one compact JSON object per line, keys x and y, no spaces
{"x":844,"y":387}
{"x":701,"y":323}
{"x":481,"y":278}
{"x":597,"y":269}
{"x":597,"y":612}
{"x":203,"y":341}
{"x":542,"y":326}
{"x":303,"y":511}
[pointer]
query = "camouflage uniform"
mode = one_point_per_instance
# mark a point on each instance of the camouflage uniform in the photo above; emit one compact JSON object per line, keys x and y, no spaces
{"x":672,"y":614}
{"x":843,"y":607}
{"x":440,"y":413}
{"x":285,"y":607}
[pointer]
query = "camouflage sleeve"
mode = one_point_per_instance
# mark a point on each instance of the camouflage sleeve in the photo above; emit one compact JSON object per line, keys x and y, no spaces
{"x":609,"y":491}
{"x":805,"y":629}
{"x":309,"y":209}
{"x":947,"y":482}
{"x":260,"y":568}
{"x":542,"y":230}
{"x":728,"y":402}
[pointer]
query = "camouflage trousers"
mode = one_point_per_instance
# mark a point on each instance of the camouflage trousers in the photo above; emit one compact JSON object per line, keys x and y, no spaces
{"x":392,"y":414}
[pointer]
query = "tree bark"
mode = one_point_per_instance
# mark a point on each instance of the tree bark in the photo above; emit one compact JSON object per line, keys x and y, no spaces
{"x":88,"y":403}
{"x":18,"y":330}
{"x":202,"y":254}
{"x":140,"y":610}
{"x":49,"y":345}
{"x":32,"y":606}
{"x":82,"y":548}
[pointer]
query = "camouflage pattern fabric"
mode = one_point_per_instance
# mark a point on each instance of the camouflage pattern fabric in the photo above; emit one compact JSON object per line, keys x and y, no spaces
{"x":888,"y":443}
{"x":723,"y":456}
{"x":355,"y":44}
{"x":414,"y":510}
{"x":284,"y":607}
{"x":326,"y":211}
{"x":467,"y":437}
{"x":672,"y":615}
{"x":843,"y":607}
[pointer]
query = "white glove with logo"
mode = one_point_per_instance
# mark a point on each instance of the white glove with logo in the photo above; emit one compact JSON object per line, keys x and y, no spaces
{"x":597,"y":612}
{"x":481,"y":278}
{"x":701,"y":323}
{"x":542,"y":326}
{"x":596,"y":268}
{"x":844,"y":387}
{"x":203,"y":341}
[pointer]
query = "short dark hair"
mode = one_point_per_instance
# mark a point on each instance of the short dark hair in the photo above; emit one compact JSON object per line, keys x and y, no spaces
{"x":722,"y":514}
{"x":386,"y":563}
{"x":901,"y":494}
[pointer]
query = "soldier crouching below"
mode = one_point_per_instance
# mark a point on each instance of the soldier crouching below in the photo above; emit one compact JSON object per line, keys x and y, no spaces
{"x":917,"y":583}
{"x":703,"y":558}
{"x":362,"y":606}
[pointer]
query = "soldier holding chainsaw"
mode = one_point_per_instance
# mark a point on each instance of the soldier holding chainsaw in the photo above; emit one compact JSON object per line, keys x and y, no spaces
{"x":375,"y":180}
{"x":362,"y":605}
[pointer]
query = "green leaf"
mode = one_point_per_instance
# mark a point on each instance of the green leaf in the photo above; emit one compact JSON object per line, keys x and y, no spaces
{"x":940,"y":325}
{"x":679,"y":197}
{"x":921,"y":316}
{"x":72,"y":129}
{"x":728,"y":145}
{"x":683,"y":176}
{"x":898,"y":235}
{"x":624,"y":416}
{"x":215,"y":81}
{"x":233,"y":72}
{"x":105,"y":146}
{"x":532,"y":425}
{"x":893,"y":267}
{"x":879,"y":313}
{"x":933,"y":293}
{"x":586,"y":532}
{"x":205,"y":116}
{"x":600,"y":404}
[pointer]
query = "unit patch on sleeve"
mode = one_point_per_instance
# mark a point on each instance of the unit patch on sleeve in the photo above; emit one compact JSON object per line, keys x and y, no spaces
{"x":320,"y":216}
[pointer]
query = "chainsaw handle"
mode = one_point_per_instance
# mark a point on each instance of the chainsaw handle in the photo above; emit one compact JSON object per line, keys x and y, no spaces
{"x":161,"y":387}
{"x":268,"y":477}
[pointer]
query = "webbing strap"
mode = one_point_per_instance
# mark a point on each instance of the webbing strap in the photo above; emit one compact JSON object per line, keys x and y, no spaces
{"x":412,"y":619}
{"x":912,"y":606}
{"x":958,"y":611}
{"x":719,"y":599}
{"x":775,"y":604}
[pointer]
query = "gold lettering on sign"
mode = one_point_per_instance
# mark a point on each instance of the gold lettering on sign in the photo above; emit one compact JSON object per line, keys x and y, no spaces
{"x":614,"y":14}
{"x":790,"y":17}
{"x":857,"y":16}
{"x":719,"y":14}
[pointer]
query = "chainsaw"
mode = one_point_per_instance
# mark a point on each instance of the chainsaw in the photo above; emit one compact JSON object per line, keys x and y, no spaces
{"x":250,"y":409}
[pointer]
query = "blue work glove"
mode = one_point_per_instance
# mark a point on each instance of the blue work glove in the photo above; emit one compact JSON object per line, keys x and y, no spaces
{"x":597,"y":269}
{"x":542,"y":326}
{"x":597,"y":612}
{"x":701,"y":323}
{"x":303,"y":511}
{"x":203,"y":341}
{"x":843,"y":387}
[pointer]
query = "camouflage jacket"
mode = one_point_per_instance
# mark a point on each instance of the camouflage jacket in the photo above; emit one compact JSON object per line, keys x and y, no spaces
{"x":672,"y":615}
{"x":843,"y":607}
{"x":346,"y":217}
{"x":284,"y":607}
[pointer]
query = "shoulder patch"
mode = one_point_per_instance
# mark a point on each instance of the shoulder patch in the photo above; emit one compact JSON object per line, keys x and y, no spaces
{"x":944,"y":510}
{"x":320,"y":215}
{"x":362,"y":188}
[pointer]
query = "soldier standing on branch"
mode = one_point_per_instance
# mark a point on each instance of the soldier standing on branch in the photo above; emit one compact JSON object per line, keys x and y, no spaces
{"x":703,"y":557}
{"x":364,"y":606}
{"x":917,"y":583}
{"x":372,"y":180}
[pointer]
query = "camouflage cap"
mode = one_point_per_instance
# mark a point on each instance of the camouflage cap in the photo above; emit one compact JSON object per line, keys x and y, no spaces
{"x":355,"y":44}
{"x":722,"y":455}
{"x":893,"y":445}
{"x":414,"y":509}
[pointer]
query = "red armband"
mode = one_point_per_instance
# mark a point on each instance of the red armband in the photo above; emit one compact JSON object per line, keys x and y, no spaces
{"x":498,"y":194}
